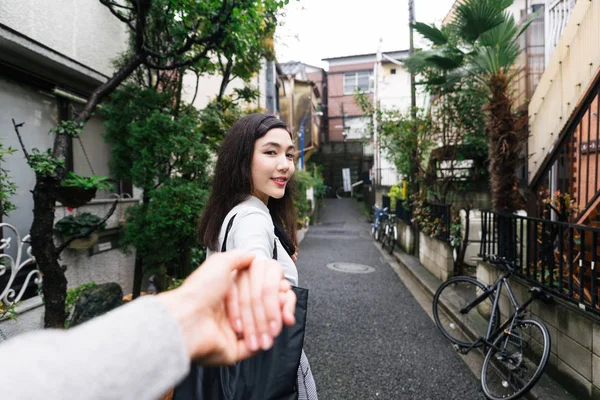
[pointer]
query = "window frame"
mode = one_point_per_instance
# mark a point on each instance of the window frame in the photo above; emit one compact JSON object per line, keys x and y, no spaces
{"x":354,"y":76}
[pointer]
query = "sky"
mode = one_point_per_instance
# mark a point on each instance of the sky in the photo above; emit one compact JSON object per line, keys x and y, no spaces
{"x":317,"y":29}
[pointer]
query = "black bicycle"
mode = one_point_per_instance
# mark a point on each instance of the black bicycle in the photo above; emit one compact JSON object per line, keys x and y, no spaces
{"x":517,"y":349}
{"x":390,"y":233}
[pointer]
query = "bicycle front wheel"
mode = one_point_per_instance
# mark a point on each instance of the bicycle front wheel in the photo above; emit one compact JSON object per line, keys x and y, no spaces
{"x":450,"y":314}
{"x":516,"y":361}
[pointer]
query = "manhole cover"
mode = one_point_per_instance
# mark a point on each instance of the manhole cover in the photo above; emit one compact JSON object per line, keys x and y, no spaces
{"x":350,"y":268}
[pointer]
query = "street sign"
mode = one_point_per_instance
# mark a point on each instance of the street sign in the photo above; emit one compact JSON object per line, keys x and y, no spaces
{"x":346,"y":176}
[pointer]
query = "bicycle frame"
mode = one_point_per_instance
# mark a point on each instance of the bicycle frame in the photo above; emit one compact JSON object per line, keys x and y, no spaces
{"x":488,"y":339}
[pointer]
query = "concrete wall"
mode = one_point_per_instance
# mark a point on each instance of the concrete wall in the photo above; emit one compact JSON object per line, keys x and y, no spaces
{"x":405,"y":237}
{"x":574,"y":335}
{"x":83,"y":30}
{"x":436,"y":256}
{"x":572,"y":67}
{"x":209,"y":85}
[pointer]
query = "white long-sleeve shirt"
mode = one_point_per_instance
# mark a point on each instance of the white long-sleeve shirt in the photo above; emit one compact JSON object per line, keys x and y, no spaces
{"x":133,"y":352}
{"x":253,"y":231}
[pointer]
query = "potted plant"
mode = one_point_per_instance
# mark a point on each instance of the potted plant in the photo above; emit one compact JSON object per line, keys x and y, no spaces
{"x":77,"y":190}
{"x":70,"y":226}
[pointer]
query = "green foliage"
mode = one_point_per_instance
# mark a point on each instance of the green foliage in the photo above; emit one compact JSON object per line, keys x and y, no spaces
{"x":92,"y":182}
{"x":7,"y":186}
{"x":148,"y":143}
{"x":11,"y":311}
{"x":216,"y":119}
{"x":306,"y":180}
{"x":44,"y":164}
{"x":72,"y":225}
{"x":72,"y":297}
{"x":162,"y":229}
{"x":395,"y":193}
{"x":68,"y":127}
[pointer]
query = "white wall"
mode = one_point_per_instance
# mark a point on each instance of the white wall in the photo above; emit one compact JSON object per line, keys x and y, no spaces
{"x":83,"y":30}
{"x":209,"y":85}
{"x":38,"y":111}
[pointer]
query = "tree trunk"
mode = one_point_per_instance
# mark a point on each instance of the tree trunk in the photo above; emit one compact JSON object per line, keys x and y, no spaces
{"x":186,"y":263}
{"x":54,"y":286}
{"x":505,"y":145}
{"x":138,"y":273}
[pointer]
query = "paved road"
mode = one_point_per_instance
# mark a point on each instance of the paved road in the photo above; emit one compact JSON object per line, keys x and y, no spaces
{"x":367,"y":337}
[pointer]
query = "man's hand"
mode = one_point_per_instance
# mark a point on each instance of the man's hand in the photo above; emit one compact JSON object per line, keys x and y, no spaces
{"x":202,"y":303}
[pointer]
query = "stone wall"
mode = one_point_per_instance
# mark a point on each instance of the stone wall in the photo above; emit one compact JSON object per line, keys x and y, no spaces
{"x":436,"y":256}
{"x":574,"y":336}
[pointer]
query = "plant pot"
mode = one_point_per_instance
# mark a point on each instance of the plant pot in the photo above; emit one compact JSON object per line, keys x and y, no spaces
{"x":73,"y":196}
{"x":84,"y":243}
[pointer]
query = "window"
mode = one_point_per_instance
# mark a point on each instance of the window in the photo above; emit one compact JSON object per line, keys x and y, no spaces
{"x":363,"y":80}
{"x":393,"y":71}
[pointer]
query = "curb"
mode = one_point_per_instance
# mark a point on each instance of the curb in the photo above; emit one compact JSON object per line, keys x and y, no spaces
{"x":545,"y":389}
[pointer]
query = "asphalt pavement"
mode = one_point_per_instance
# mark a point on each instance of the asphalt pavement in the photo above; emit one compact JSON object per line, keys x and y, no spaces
{"x":367,"y":337}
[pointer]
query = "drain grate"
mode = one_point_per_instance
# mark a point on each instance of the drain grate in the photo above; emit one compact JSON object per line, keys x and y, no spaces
{"x":351,"y":268}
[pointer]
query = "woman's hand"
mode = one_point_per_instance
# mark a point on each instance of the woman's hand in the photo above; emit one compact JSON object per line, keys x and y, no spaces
{"x":259,"y":304}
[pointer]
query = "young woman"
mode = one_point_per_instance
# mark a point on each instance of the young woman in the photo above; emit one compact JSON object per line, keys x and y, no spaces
{"x":252,"y":194}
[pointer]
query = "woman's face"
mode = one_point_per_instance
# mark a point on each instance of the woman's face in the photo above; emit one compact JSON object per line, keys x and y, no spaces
{"x":272,"y":164}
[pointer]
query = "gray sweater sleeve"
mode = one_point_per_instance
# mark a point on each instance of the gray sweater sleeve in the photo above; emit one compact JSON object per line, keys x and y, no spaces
{"x":133,"y":352}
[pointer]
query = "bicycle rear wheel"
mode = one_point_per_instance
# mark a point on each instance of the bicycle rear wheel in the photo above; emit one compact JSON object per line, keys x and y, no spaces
{"x":516,"y":361}
{"x":449,"y":303}
{"x":393,"y":238}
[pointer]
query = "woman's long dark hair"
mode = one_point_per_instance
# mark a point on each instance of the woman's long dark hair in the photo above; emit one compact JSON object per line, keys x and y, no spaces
{"x":232,"y":182}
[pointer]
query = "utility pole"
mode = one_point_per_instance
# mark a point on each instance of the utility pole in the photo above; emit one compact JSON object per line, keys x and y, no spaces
{"x":376,"y":161}
{"x":413,"y":178}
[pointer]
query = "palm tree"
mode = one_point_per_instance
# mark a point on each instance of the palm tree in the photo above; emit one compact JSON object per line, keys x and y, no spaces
{"x":482,"y":43}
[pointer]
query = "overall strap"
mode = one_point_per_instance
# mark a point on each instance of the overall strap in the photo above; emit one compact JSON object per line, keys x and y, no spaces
{"x":224,"y":246}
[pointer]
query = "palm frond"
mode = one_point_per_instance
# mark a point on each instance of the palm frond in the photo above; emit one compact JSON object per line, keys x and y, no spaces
{"x":431,"y":33}
{"x":474,"y":17}
{"x":500,"y":34}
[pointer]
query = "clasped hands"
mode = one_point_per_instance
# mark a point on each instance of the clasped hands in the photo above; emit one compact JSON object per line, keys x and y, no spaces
{"x":231,"y":307}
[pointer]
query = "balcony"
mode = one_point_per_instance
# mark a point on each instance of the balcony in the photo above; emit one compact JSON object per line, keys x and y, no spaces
{"x":557,"y":14}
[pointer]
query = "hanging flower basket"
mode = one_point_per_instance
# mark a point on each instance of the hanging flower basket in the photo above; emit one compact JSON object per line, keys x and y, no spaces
{"x":84,"y":243}
{"x":74,"y":196}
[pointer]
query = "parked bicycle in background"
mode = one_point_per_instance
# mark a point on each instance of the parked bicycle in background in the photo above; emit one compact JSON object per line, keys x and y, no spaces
{"x":381,"y":215}
{"x":390,"y":233}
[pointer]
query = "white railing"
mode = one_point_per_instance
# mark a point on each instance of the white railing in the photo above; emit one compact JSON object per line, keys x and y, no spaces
{"x":557,"y":13}
{"x":8,"y":295}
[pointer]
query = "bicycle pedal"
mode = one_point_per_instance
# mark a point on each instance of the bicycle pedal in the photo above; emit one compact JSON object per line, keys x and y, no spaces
{"x":459,"y":349}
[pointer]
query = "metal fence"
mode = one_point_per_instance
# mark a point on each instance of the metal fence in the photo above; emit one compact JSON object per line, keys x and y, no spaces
{"x":403,"y":212}
{"x":558,"y":256}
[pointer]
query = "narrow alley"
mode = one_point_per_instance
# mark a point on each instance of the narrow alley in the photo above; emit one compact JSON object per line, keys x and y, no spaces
{"x":367,"y":337}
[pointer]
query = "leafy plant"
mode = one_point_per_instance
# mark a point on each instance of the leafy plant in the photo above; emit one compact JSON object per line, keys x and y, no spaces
{"x":79,"y":224}
{"x":11,"y":311}
{"x":395,"y":193}
{"x":68,"y":127}
{"x":44,"y":164}
{"x":72,"y":297}
{"x":306,"y":180}
{"x":92,"y":182}
{"x":7,"y":186}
